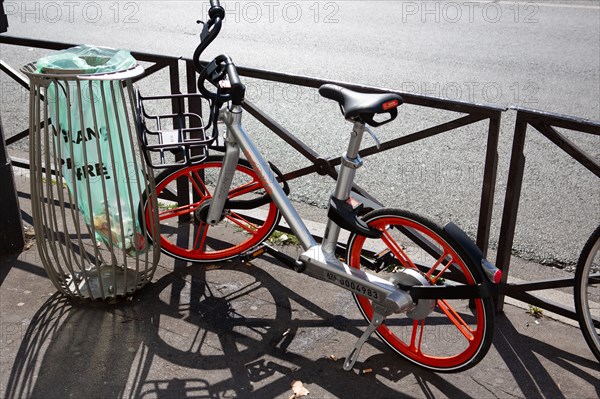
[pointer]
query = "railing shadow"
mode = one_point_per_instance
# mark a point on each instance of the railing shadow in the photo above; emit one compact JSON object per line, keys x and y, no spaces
{"x":522,"y":353}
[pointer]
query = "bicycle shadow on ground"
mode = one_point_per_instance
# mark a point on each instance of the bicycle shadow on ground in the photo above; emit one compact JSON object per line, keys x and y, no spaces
{"x":233,"y":330}
{"x":250,"y":336}
{"x":230,"y":330}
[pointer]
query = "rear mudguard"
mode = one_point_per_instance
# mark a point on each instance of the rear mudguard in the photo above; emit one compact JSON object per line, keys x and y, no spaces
{"x":462,"y":240}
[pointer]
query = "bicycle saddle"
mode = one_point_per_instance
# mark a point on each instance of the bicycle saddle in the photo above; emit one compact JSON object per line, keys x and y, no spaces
{"x":363,"y":107}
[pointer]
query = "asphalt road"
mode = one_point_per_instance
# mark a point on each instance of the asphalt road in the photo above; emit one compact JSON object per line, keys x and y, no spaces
{"x":543,"y":55}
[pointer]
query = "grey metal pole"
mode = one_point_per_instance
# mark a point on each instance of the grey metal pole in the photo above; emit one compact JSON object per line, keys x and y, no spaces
{"x":12,"y":240}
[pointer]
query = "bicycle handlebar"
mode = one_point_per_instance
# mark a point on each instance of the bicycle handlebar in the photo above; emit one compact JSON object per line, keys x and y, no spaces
{"x":220,"y":66}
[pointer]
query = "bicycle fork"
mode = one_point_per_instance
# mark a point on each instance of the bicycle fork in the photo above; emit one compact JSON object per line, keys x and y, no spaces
{"x":318,"y":261}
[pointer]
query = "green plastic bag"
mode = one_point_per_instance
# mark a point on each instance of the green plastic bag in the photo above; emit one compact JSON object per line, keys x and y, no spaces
{"x":92,"y":139}
{"x":86,"y":59}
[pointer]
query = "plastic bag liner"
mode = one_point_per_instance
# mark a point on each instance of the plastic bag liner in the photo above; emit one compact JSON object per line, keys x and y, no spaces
{"x":86,"y":59}
{"x":97,"y":161}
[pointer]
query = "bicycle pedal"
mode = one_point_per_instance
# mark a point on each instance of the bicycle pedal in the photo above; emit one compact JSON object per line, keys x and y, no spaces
{"x":253,"y":253}
{"x":382,"y":260}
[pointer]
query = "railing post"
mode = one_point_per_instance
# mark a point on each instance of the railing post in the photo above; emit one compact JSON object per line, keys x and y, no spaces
{"x":178,"y":106}
{"x":489,"y":184}
{"x":12,"y":240}
{"x":511,"y":203}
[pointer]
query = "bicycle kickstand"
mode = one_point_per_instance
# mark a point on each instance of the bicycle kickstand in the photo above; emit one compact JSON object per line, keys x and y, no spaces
{"x":379,"y":314}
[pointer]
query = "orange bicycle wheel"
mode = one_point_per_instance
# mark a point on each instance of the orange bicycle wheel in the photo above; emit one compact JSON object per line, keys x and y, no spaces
{"x":185,"y":236}
{"x":458,"y":332}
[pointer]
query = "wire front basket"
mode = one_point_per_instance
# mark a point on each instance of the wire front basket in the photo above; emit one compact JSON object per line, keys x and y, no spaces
{"x":173,"y":130}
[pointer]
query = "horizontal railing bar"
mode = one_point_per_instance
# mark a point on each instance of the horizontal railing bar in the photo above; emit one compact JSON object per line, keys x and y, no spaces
{"x":562,"y":121}
{"x":546,"y":304}
{"x":409,"y":98}
{"x":150,"y":70}
{"x":512,"y":288}
{"x":28,"y":42}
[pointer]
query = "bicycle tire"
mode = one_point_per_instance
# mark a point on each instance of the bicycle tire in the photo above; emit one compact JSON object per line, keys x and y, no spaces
{"x":183,"y":236}
{"x":587,"y":291}
{"x":457,"y":334}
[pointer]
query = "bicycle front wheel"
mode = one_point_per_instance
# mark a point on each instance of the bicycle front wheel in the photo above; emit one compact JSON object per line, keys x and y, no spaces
{"x":587,"y":292}
{"x":457,"y":333}
{"x":185,"y":236}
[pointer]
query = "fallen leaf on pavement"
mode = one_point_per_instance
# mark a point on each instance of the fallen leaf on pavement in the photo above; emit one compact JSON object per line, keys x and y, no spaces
{"x":298,"y":389}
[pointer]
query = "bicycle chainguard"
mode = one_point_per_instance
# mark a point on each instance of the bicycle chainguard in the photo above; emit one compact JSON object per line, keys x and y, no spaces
{"x":379,"y":314}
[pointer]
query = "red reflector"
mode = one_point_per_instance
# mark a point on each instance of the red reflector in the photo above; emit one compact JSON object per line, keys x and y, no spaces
{"x":353,"y":203}
{"x":390,"y":105}
{"x":497,"y":277}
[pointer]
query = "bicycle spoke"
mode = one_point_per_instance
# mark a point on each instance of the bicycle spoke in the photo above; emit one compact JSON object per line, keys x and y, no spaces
{"x":455,"y":318}
{"x":201,"y":234}
{"x":397,"y":250}
{"x":199,"y":185}
{"x":175,"y":212}
{"x":418,"y":327}
{"x":245,"y":189}
{"x":433,"y":280}
{"x":243,"y":223}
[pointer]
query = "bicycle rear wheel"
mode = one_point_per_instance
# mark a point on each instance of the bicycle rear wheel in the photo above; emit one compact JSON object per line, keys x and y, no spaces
{"x":587,"y":292}
{"x":185,"y":236}
{"x":457,"y":334}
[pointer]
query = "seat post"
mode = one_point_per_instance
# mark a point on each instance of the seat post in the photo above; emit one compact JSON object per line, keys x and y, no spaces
{"x":350,"y":162}
{"x":355,"y":140}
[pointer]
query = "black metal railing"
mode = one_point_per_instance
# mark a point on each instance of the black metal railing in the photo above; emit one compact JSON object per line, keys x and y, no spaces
{"x":546,"y":124}
{"x":469,"y":114}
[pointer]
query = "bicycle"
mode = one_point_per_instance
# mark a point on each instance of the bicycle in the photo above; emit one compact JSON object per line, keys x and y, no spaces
{"x":435,"y":280}
{"x":587,"y":292}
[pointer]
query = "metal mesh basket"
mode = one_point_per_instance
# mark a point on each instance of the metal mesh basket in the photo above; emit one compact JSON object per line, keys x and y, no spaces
{"x":173,"y":130}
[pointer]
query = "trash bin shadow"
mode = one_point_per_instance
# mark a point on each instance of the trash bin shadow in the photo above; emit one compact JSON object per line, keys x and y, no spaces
{"x":74,"y":347}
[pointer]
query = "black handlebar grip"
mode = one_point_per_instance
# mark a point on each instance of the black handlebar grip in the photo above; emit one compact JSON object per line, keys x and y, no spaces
{"x":238,"y":90}
{"x":234,"y":78}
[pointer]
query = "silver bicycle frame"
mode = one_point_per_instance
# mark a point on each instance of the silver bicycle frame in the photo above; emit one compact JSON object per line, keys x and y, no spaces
{"x":319,"y":260}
